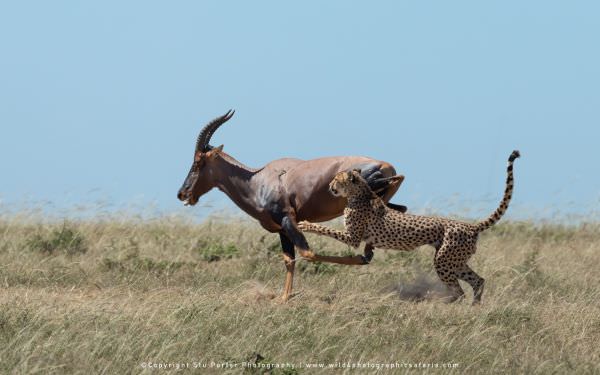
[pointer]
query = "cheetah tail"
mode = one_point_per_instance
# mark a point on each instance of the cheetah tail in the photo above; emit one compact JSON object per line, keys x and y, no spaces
{"x":494,"y":217}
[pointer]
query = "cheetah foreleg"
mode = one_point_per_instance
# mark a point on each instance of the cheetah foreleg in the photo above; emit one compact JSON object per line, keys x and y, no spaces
{"x":352,"y":239}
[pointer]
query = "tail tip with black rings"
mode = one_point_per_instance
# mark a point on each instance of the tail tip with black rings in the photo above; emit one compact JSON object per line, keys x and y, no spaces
{"x":515,"y":154}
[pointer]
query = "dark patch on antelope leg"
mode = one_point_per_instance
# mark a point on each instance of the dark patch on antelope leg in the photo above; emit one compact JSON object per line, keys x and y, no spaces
{"x":293,"y":233}
{"x":286,"y":245}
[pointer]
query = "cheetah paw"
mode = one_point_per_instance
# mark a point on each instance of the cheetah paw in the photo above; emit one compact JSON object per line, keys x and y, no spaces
{"x":304,"y":225}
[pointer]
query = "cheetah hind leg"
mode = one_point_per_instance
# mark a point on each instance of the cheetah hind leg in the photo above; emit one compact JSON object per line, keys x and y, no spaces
{"x":472,"y":278}
{"x":452,"y":284}
{"x":457,"y":292}
{"x":446,"y":273}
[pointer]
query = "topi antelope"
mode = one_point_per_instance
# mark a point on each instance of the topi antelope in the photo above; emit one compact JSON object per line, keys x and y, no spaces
{"x":284,"y":192}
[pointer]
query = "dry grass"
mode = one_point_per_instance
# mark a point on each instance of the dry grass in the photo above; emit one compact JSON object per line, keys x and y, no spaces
{"x":104,"y":296}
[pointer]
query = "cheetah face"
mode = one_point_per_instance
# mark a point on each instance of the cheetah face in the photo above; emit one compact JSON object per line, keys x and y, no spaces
{"x":346,"y":183}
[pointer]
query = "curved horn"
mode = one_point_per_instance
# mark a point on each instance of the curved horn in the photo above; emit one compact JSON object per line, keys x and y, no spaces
{"x":207,"y":132}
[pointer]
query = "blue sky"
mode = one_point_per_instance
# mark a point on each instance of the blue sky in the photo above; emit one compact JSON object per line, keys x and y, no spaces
{"x":102,"y":101}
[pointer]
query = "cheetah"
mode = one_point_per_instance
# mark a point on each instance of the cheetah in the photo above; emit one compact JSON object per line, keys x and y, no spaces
{"x":366,"y":218}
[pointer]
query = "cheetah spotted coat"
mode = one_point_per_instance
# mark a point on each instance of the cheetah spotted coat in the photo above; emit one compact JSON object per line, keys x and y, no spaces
{"x":367,"y":218}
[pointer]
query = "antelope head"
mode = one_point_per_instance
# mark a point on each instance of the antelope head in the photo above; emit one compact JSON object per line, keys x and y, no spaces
{"x":200,"y":178}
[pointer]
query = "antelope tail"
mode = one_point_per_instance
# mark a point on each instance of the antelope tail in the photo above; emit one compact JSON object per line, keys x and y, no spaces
{"x":496,"y":215}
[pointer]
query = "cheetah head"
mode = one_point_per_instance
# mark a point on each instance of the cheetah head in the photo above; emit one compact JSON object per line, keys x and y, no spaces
{"x":347,"y":183}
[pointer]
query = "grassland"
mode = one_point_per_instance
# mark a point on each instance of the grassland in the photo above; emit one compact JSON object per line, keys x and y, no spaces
{"x":108,"y":295}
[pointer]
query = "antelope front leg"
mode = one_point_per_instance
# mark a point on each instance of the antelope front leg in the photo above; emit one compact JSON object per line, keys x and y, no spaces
{"x":289,"y":260}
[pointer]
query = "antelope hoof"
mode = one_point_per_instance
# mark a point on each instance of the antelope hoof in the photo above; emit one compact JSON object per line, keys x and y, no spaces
{"x":368,"y":256}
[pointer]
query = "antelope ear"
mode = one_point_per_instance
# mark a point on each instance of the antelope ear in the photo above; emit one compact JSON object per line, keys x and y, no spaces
{"x":215,"y":151}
